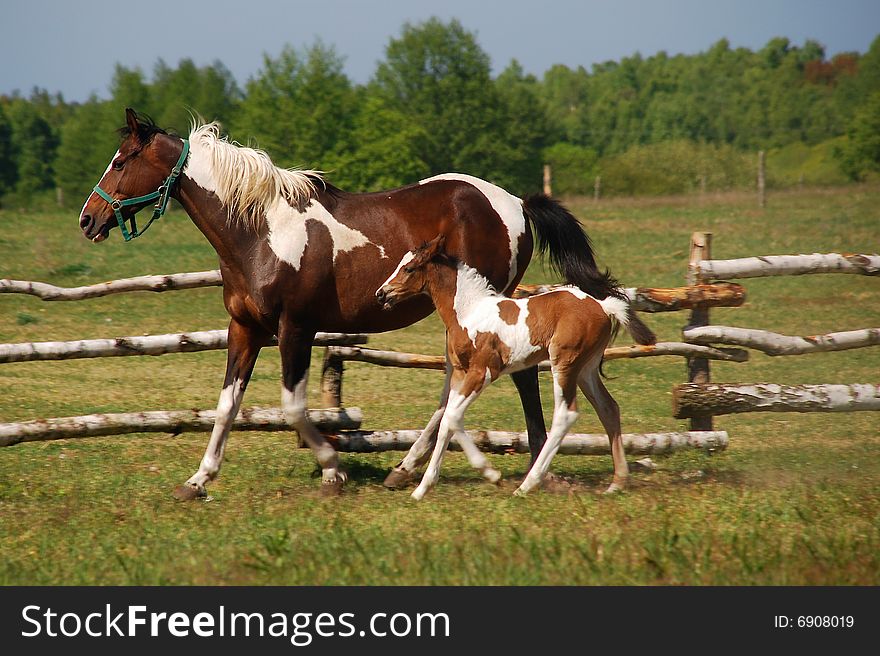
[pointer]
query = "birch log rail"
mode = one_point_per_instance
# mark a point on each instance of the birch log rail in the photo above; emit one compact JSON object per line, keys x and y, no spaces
{"x":513,"y":442}
{"x":692,"y":400}
{"x":419,"y":361}
{"x":666,"y":299}
{"x":155,"y":283}
{"x":202,"y":340}
{"x":776,"y":344}
{"x":168,"y":421}
{"x":790,"y":265}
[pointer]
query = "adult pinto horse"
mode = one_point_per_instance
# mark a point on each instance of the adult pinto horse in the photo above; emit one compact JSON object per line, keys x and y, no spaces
{"x":298,"y":255}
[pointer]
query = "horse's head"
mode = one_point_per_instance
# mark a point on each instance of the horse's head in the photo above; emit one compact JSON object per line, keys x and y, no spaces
{"x":410,"y":278}
{"x":141,"y":173}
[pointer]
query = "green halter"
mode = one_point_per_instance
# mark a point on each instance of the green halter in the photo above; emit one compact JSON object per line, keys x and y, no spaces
{"x":161,"y":196}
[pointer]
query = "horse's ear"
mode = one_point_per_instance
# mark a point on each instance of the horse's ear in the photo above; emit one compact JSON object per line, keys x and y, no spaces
{"x":131,"y":120}
{"x":435,"y":246}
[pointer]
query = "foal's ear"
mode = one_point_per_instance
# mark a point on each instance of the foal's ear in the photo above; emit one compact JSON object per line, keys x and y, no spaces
{"x":435,"y":247}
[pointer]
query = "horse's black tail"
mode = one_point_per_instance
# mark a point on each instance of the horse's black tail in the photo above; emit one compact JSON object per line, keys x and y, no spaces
{"x":558,"y":233}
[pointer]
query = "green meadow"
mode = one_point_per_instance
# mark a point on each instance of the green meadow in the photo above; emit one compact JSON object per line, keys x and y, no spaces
{"x":792,"y":501}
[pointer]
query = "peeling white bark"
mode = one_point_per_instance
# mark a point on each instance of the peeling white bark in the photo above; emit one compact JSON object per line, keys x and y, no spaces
{"x":790,"y":265}
{"x":418,"y":361}
{"x":776,"y":344}
{"x":157,"y":283}
{"x":202,"y":340}
{"x":512,"y":442}
{"x":691,"y":400}
{"x":169,"y":421}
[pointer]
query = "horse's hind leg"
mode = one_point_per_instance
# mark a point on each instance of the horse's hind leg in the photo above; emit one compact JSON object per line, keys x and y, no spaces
{"x":609,"y":414}
{"x":295,"y":345}
{"x":244,"y":347}
{"x":419,"y":452}
{"x":526,"y":382}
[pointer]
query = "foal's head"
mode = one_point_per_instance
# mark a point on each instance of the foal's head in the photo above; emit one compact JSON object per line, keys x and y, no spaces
{"x":143,"y":162}
{"x":410,"y":278}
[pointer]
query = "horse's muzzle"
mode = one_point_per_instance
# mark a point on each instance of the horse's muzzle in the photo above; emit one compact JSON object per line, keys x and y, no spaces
{"x":385,"y":299}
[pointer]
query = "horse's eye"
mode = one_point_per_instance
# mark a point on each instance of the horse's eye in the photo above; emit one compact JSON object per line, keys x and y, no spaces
{"x":408,"y":269}
{"x":118,"y":164}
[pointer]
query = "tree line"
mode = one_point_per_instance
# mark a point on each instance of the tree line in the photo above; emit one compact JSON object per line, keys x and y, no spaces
{"x":657,"y":124}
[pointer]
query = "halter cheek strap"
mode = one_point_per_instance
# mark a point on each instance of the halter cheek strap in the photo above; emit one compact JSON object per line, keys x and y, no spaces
{"x":162,"y":195}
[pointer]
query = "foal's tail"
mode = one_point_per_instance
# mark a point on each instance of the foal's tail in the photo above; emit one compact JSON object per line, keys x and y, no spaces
{"x":558,"y":232}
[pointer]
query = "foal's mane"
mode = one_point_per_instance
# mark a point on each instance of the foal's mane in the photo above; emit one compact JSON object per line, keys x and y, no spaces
{"x":246,"y":180}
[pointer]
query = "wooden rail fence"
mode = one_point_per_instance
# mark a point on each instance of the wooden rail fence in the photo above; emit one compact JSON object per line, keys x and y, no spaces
{"x":698,"y":399}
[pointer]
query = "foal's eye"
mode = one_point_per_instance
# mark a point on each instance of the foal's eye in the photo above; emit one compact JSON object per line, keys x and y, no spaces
{"x":118,"y":164}
{"x":408,"y":269}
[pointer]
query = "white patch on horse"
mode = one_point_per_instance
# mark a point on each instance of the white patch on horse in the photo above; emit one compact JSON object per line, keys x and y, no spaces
{"x":288,"y":237}
{"x":477,"y":310}
{"x":508,"y":207}
{"x":406,"y":259}
{"x":106,"y":171}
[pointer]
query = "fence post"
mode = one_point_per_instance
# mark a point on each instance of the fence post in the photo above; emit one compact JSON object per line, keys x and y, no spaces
{"x":548,"y":180}
{"x":698,"y":368}
{"x":331,"y":380}
{"x":762,"y":172}
{"x":597,"y":188}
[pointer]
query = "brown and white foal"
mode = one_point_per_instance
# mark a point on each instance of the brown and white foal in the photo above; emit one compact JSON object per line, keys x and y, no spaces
{"x":489,"y":335}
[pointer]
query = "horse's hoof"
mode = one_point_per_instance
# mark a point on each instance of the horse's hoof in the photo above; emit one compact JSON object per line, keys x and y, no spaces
{"x":556,"y":484}
{"x":519,"y":492}
{"x":419,"y":493}
{"x":187,"y":492}
{"x":332,"y":488}
{"x":397,"y":479}
{"x":615,"y":488}
{"x":492,"y":475}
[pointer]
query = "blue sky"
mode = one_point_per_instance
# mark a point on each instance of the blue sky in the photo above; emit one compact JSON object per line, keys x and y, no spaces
{"x":72,"y":47}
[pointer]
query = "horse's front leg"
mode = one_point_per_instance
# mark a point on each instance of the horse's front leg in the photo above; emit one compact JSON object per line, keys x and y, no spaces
{"x":295,"y":345}
{"x":244,"y":347}
{"x":419,"y":452}
{"x":526,"y":382}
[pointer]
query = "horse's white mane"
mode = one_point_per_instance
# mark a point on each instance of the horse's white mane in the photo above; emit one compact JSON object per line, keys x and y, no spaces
{"x":245,"y":179}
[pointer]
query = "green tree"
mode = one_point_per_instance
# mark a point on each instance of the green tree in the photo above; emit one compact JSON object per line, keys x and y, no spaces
{"x":33,"y":146}
{"x":861,"y":153}
{"x":88,"y":140}
{"x":438,"y":74}
{"x":209,"y":92}
{"x":8,"y":171}
{"x":388,"y":149}
{"x":299,"y":108}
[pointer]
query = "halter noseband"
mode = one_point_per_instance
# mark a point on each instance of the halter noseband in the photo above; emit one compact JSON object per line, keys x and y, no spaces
{"x":161,"y":196}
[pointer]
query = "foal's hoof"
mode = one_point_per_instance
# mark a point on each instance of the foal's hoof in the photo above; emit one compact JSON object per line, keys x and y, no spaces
{"x":333,"y":488}
{"x":187,"y":492}
{"x":615,"y":488}
{"x":397,"y":479}
{"x":556,"y":484}
{"x":492,"y":475}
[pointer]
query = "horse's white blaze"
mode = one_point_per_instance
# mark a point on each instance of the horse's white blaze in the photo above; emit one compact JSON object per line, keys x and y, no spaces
{"x":288,"y":237}
{"x":477,"y":310}
{"x":406,"y":259}
{"x":508,"y":207}
{"x":106,"y":171}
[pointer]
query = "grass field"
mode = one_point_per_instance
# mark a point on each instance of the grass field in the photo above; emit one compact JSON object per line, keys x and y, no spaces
{"x":794,"y":499}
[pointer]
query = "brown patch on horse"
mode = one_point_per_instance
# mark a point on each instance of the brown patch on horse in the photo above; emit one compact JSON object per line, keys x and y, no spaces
{"x":562,"y":317}
{"x":509,"y":312}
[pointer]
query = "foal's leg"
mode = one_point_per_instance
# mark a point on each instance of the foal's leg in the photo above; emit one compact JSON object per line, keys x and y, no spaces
{"x":295,"y":345}
{"x":418,"y":453}
{"x":564,"y":415}
{"x":609,"y":414}
{"x":244,"y":347}
{"x":463,"y":393}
